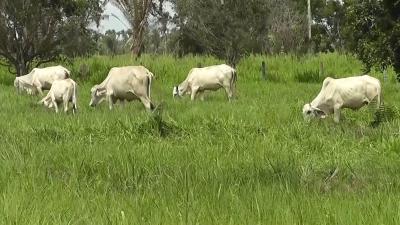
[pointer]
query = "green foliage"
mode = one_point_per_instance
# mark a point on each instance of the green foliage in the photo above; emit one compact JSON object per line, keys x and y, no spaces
{"x":36,"y":32}
{"x":210,"y":162}
{"x":228,"y":30}
{"x":5,"y":77}
{"x":170,"y":70}
{"x":329,"y":17}
{"x":287,"y":28}
{"x":155,"y":125}
{"x":251,"y":161}
{"x":373,"y":32}
{"x":308,"y":76}
{"x":385,"y":113}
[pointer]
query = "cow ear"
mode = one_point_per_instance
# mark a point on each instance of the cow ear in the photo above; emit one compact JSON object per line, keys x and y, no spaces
{"x":100,"y":91}
{"x":319,"y":113}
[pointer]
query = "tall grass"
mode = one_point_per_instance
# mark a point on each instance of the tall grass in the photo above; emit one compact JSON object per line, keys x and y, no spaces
{"x":252,"y":161}
{"x":280,"y":68}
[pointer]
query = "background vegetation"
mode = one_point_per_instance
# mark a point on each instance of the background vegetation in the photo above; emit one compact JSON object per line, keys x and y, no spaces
{"x":35,"y":32}
{"x":252,"y":161}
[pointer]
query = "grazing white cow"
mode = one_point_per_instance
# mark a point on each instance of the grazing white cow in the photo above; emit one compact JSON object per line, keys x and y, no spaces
{"x":62,"y":91}
{"x":40,"y":79}
{"x":124,"y":83}
{"x":208,"y":78}
{"x":24,"y":83}
{"x":350,"y":92}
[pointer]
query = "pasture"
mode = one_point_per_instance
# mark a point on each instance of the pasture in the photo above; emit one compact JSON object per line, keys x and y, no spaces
{"x":252,"y":161}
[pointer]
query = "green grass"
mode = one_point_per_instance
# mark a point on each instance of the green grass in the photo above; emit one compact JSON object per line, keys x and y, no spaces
{"x":252,"y":161}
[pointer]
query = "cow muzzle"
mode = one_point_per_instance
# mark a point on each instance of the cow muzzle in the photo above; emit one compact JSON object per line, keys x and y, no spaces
{"x":175,"y":92}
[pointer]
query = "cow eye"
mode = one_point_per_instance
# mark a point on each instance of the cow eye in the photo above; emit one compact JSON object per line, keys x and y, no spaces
{"x":308,"y":112}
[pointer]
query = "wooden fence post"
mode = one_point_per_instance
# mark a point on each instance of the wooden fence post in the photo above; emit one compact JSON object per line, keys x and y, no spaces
{"x":321,"y":69}
{"x":263,"y":70}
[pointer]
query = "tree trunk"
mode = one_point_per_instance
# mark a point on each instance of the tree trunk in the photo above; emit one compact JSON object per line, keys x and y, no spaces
{"x":137,"y":42}
{"x":21,"y":67}
{"x":142,"y":10}
{"x":309,"y":18}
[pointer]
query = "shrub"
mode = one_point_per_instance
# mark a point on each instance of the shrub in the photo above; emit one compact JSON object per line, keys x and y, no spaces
{"x":308,"y":76}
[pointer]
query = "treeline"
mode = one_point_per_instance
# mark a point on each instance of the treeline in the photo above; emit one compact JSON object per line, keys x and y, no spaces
{"x":37,"y":31}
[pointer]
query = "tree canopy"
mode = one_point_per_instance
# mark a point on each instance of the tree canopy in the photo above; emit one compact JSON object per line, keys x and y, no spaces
{"x":373,"y":32}
{"x":35,"y":31}
{"x":226,"y":29}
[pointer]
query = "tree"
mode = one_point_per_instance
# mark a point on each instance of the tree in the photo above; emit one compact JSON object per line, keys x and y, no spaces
{"x":79,"y":39}
{"x":137,"y":13}
{"x":329,"y":18}
{"x":287,"y":27}
{"x":32,"y":31}
{"x":111,"y":41}
{"x":373,"y":32}
{"x":228,"y":29}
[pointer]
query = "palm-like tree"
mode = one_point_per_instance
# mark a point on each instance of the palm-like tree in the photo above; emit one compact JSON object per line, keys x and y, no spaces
{"x":136,"y":12}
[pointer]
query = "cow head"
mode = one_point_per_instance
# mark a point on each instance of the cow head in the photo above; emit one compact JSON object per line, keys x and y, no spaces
{"x":178,"y":91}
{"x":22,"y":85}
{"x":310,"y":112}
{"x":48,"y":103}
{"x":98,"y":94}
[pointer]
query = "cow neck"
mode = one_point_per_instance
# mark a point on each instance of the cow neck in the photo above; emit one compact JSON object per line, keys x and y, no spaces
{"x":104,"y":83}
{"x":316,"y":103}
{"x":26,"y":78}
{"x":184,"y":85}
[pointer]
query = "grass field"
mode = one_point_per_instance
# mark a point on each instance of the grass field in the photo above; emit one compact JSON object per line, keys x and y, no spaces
{"x":252,"y":161}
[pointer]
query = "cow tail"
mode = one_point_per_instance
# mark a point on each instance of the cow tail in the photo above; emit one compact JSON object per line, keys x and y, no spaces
{"x":233,"y":80}
{"x":74,"y":98}
{"x":149,"y":86}
{"x":67,"y":74}
{"x":380,"y":99}
{"x":149,"y":79}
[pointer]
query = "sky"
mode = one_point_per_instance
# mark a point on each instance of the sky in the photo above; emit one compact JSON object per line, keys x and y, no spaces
{"x":113,"y":23}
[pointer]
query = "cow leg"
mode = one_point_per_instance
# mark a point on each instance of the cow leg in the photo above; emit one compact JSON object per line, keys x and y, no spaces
{"x":65,"y":106}
{"x":65,"y":101}
{"x":122,"y":102}
{"x":194,"y":92}
{"x":53,"y":100}
{"x":233,"y":90}
{"x":110,"y":101}
{"x":147,"y":103}
{"x":39,"y":89}
{"x":229,"y":92}
{"x":336,"y":114}
{"x":201,"y":95}
{"x":38,"y":86}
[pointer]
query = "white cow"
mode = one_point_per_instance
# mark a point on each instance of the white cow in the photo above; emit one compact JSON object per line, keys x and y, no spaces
{"x":208,"y":78}
{"x":62,"y":91}
{"x":124,"y":83}
{"x":24,"y":83}
{"x":40,"y":79}
{"x":350,"y":92}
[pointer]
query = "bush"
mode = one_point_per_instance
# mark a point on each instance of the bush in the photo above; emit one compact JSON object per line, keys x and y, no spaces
{"x":308,"y":76}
